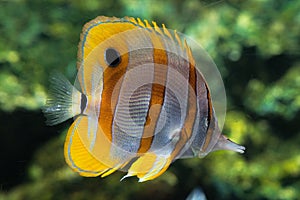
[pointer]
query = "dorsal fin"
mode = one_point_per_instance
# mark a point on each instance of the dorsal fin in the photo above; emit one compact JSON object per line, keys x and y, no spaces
{"x":166,"y":32}
{"x":140,"y":22}
{"x":189,"y":53}
{"x":147,"y":24}
{"x":172,"y":35}
{"x":178,"y":39}
{"x":156,"y":28}
{"x":133,"y":20}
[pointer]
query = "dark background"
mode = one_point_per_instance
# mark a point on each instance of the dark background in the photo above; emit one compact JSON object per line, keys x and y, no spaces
{"x":255,"y":45}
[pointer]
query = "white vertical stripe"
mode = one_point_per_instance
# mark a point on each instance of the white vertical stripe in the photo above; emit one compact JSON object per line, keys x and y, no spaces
{"x":176,"y":97}
{"x":130,"y":115}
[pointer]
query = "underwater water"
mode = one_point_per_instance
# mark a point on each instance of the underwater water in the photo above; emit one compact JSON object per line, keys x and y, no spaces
{"x":255,"y":45}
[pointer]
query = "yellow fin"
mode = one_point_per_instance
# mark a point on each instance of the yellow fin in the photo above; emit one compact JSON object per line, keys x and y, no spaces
{"x":166,"y":31}
{"x":140,"y":22}
{"x":109,"y":172}
{"x":142,"y":165}
{"x":112,"y":170}
{"x":76,"y":153}
{"x":189,"y":53}
{"x":149,"y":166}
{"x":131,"y":19}
{"x":178,"y":39}
{"x":147,"y":24}
{"x":160,"y":166}
{"x":156,"y":28}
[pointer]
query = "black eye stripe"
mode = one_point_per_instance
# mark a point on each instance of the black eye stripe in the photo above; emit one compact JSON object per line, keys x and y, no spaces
{"x":112,"y":57}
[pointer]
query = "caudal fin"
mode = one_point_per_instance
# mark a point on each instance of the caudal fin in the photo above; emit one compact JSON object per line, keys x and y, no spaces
{"x":63,"y":101}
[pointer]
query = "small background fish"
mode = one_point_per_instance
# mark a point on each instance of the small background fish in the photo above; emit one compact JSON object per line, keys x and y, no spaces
{"x":196,"y":194}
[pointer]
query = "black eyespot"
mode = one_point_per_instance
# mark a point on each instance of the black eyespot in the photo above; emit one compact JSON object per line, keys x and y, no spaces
{"x":112,"y":57}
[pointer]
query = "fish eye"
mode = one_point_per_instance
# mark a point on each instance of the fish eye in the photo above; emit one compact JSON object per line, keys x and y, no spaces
{"x":112,"y":57}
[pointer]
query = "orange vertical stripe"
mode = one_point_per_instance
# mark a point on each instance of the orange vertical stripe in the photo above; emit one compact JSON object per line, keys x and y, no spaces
{"x":187,"y":129}
{"x":211,"y":121}
{"x":160,"y":58}
{"x":111,"y":76}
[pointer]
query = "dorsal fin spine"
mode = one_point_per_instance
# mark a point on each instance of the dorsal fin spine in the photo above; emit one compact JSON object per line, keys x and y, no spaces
{"x":189,"y":52}
{"x":133,"y":20}
{"x":141,"y":23}
{"x":156,"y":28}
{"x":148,"y":25}
{"x":166,"y":32}
{"x":178,"y":39}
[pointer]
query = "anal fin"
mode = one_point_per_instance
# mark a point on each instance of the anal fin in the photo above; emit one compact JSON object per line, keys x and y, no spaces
{"x":77,"y":154}
{"x":112,"y":170}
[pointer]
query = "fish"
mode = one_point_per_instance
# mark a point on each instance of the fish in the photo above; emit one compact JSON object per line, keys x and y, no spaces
{"x":196,"y":194}
{"x":139,"y":101}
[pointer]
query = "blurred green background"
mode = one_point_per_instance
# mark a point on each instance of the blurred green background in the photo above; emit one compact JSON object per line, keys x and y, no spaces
{"x":256,"y":46}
